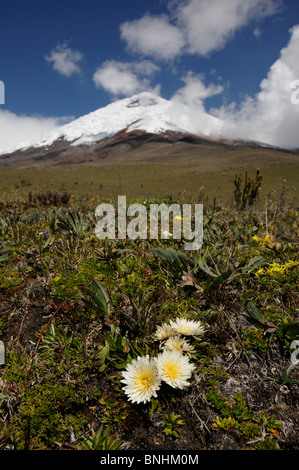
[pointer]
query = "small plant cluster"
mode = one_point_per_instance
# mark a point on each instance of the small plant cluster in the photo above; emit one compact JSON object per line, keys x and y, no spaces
{"x":102,"y":439}
{"x":144,"y":375}
{"x":49,"y":198}
{"x":249,"y":194}
{"x":172,"y":423}
{"x":256,"y":428}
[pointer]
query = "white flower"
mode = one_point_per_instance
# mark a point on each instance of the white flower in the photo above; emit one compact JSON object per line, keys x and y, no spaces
{"x":166,"y":234}
{"x":164,"y":332}
{"x":174,"y":368}
{"x":186,"y":327}
{"x":141,"y":380}
{"x":178,"y":343}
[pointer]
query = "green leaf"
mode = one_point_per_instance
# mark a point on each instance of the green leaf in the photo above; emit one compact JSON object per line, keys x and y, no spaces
{"x":175,"y":259}
{"x":292,"y":329}
{"x":207,"y":270}
{"x":5,"y":253}
{"x":247,"y":415}
{"x":254,"y":315}
{"x":102,"y":368}
{"x":99,"y":296}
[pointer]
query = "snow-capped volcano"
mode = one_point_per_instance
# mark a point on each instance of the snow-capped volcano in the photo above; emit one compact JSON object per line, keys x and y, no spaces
{"x":143,"y":112}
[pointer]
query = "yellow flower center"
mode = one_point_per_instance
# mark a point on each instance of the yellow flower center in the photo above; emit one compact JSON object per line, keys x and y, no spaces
{"x":186,"y":329}
{"x":171,"y":370}
{"x":145,"y":380}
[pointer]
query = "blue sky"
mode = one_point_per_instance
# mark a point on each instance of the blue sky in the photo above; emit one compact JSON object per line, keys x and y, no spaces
{"x":67,"y":58}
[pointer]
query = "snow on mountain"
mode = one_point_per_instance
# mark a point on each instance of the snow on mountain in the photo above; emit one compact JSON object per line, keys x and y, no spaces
{"x":146,"y":112}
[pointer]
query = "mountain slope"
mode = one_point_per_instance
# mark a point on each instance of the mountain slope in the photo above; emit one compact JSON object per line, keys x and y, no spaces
{"x":146,"y":112}
{"x":138,"y":128}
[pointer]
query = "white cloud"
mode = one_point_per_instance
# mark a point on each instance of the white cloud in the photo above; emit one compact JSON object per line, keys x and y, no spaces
{"x":18,"y":129}
{"x":270,"y":116}
{"x":194,"y":26}
{"x":154,"y":36}
{"x":209,"y":24}
{"x":187,"y":106}
{"x":195,"y":91}
{"x":65,"y":60}
{"x":126,"y":78}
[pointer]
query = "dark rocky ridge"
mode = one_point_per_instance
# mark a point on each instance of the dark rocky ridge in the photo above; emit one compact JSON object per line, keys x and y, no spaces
{"x":63,"y":152}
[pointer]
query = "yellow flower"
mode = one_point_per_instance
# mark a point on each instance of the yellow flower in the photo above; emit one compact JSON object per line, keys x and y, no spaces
{"x":278,"y":269}
{"x":268,"y":239}
{"x":260,"y":272}
{"x":291,"y":263}
{"x":255,"y":238}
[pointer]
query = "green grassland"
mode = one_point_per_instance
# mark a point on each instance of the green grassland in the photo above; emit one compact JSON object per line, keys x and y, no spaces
{"x":183,"y":171}
{"x":182,"y":181}
{"x":76,"y":310}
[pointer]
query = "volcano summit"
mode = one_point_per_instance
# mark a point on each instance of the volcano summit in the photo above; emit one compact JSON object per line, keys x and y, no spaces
{"x":119,"y":128}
